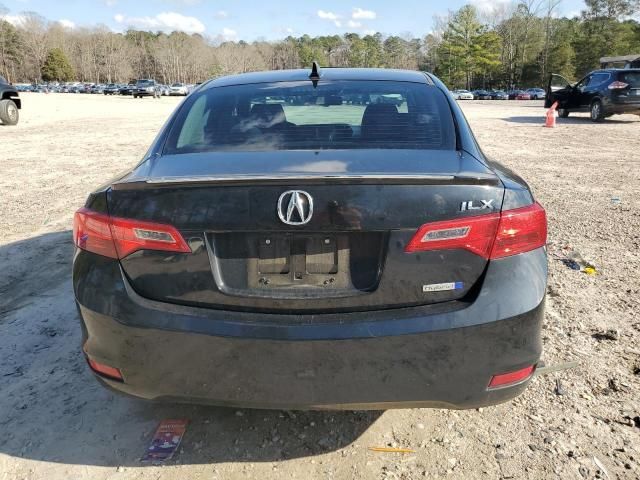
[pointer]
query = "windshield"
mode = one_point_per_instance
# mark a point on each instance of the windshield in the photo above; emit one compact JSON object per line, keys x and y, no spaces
{"x":297,"y":116}
{"x":143,"y":83}
{"x":176,"y":85}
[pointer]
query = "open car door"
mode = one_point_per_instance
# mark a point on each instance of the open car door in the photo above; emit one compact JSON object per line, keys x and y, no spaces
{"x":558,"y":89}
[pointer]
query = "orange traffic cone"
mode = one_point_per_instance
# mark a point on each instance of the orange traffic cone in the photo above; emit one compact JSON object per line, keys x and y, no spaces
{"x":550,"y":122}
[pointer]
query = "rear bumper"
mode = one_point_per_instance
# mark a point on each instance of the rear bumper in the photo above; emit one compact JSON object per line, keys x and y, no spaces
{"x":371,"y":360}
{"x":621,"y":104}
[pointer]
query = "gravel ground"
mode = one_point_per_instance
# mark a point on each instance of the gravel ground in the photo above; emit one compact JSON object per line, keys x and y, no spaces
{"x":56,"y":422}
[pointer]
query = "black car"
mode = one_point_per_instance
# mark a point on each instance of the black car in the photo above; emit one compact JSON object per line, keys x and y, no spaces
{"x":10,"y":103}
{"x":146,"y":88}
{"x":481,"y":95}
{"x":602,"y":93}
{"x":316,"y":254}
{"x":127,"y":89}
{"x":498,"y":95}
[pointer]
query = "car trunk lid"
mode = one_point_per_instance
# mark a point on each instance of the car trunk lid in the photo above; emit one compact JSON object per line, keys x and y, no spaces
{"x":350,"y":255}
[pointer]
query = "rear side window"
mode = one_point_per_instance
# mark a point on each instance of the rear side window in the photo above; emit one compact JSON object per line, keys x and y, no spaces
{"x":598,"y":79}
{"x":632,"y":78}
{"x":297,"y":116}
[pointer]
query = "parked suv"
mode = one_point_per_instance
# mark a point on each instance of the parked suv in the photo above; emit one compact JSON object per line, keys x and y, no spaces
{"x":602,"y":93}
{"x":146,"y":88}
{"x":9,"y":103}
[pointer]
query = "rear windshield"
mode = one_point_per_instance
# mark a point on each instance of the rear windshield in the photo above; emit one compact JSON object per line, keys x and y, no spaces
{"x":297,"y":116}
{"x":632,"y":78}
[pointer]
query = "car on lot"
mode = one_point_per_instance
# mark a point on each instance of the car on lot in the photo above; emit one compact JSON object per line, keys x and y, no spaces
{"x":111,"y":89}
{"x":316,"y":254}
{"x":178,"y":89}
{"x":481,"y":95}
{"x":499,"y":95}
{"x":146,"y":88}
{"x":10,"y":103}
{"x":523,"y":95}
{"x":602,"y":93}
{"x":461,"y":94}
{"x":127,"y":89}
{"x":536,"y":93}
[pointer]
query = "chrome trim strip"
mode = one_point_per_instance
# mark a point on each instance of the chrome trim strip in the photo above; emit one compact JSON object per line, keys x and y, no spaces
{"x":243,"y":178}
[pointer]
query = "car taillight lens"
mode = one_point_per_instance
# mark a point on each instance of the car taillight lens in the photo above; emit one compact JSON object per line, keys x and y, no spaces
{"x":118,"y":237}
{"x":496,"y":235}
{"x":521,"y":230}
{"x":475,"y":234}
{"x":617,"y":85}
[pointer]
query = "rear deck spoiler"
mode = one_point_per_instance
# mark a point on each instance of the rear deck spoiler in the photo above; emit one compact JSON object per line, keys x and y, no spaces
{"x":277,"y":179}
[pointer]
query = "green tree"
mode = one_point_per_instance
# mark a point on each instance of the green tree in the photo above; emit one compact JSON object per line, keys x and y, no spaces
{"x":601,"y":32}
{"x":467,"y":48}
{"x":9,"y":49}
{"x":57,"y":67}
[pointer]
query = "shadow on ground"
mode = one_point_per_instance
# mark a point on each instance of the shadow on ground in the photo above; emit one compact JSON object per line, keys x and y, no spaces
{"x":54,"y":410}
{"x":564,"y":121}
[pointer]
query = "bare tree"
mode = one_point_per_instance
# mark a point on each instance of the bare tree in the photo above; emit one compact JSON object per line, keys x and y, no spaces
{"x":550,"y":9}
{"x":34,"y":32}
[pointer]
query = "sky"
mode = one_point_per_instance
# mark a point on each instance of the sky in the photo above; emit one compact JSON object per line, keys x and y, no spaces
{"x":253,"y":19}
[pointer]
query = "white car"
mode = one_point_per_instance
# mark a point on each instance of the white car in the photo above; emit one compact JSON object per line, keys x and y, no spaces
{"x":462,"y":95}
{"x":178,"y":89}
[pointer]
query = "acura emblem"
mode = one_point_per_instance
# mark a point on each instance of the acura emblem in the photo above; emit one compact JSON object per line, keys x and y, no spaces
{"x":295,"y":207}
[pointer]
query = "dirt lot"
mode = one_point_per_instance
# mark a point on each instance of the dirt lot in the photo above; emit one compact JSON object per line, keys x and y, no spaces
{"x":56,"y":422}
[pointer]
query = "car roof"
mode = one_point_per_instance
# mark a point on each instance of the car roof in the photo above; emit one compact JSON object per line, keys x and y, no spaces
{"x":613,"y":70}
{"x":325,"y":74}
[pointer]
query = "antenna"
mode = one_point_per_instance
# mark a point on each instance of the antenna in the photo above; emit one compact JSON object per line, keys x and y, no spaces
{"x":315,"y":74}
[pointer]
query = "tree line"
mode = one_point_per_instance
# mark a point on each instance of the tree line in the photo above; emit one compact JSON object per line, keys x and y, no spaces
{"x":516,"y":44}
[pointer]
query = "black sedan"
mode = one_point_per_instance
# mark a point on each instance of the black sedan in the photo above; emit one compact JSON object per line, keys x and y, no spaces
{"x":127,"y":89}
{"x":481,"y":95}
{"x":499,"y":95}
{"x":282,"y":245}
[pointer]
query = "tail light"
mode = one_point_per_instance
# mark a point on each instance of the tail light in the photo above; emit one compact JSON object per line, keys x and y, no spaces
{"x":475,"y":234}
{"x":491,"y":236}
{"x":521,"y":230}
{"x":617,"y":85}
{"x":118,"y":237}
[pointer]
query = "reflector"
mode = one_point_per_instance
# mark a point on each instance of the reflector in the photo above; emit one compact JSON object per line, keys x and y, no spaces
{"x":105,"y":370}
{"x":511,"y":378}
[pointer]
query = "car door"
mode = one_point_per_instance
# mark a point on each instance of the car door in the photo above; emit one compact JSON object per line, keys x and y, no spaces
{"x":582,"y":93}
{"x":560,"y":90}
{"x":592,"y":89}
